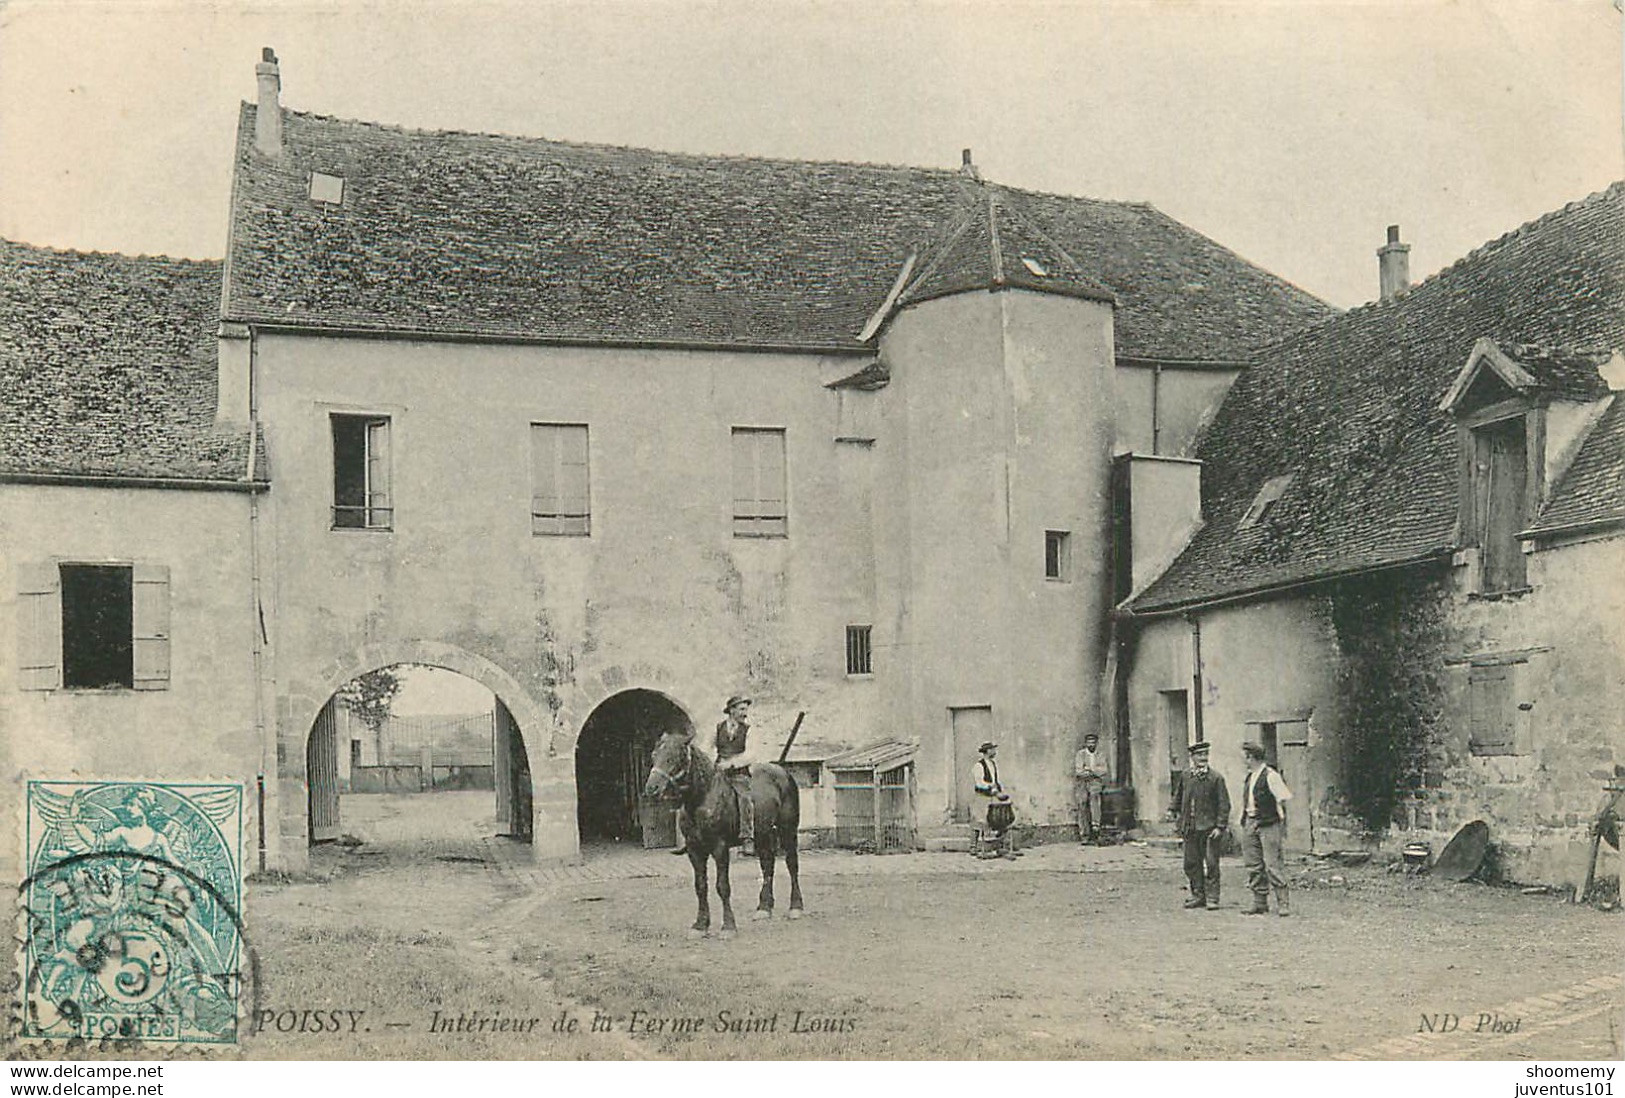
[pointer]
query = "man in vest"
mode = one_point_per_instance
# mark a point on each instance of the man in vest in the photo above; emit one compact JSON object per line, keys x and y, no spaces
{"x":733,"y":760}
{"x":730,"y":744}
{"x":1203,"y":813}
{"x":989,"y":792}
{"x":1263,"y":798}
{"x":1088,"y":781}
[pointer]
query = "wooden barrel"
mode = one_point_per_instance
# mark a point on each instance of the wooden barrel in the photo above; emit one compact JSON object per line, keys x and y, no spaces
{"x":1000,"y":816}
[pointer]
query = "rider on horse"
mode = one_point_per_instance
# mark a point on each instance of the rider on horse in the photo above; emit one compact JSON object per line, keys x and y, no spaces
{"x":733,"y":760}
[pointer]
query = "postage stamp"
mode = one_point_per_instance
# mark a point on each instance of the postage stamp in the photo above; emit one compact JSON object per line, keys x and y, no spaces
{"x":132,"y":912}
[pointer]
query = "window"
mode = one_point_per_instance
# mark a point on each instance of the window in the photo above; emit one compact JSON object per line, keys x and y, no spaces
{"x":92,"y":626}
{"x":361,"y":499}
{"x":559,"y":498}
{"x":1499,"y":479}
{"x":758,"y":483}
{"x":1057,"y":555}
{"x":1492,"y":728}
{"x":326,"y":188}
{"x":97,"y":626}
{"x":1267,"y":495}
{"x":857,"y":650}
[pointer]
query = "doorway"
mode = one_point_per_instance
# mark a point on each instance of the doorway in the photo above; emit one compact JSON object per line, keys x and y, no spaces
{"x":1286,"y":748}
{"x":970,"y":727}
{"x":612,"y":764}
{"x":408,"y":756}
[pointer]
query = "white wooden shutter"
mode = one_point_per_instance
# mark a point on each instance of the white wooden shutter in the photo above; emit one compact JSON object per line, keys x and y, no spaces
{"x":770,"y":481}
{"x":572,"y":477}
{"x":39,"y":626}
{"x":378,"y":502}
{"x":149,"y":616}
{"x":544,"y":495}
{"x":744,"y":482}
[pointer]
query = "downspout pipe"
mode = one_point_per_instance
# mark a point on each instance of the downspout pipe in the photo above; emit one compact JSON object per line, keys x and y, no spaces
{"x":1196,"y":677}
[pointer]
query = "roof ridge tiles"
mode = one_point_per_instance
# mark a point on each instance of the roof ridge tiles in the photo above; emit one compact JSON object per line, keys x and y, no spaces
{"x":743,"y":158}
{"x":1506,"y":238}
{"x":96,"y":253}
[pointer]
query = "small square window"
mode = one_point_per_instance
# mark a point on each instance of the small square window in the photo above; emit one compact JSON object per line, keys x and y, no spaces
{"x":858,"y":652}
{"x":326,"y":188}
{"x":1267,"y":495}
{"x":1058,"y":555}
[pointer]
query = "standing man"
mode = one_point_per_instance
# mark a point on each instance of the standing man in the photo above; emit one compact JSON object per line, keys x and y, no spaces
{"x":1203,"y":812}
{"x":1088,"y":780}
{"x":993,"y":804}
{"x":1263,"y":798}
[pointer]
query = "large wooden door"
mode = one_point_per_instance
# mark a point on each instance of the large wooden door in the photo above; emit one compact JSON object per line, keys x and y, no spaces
{"x":971,"y":727}
{"x":512,"y":777}
{"x":322,"y":774}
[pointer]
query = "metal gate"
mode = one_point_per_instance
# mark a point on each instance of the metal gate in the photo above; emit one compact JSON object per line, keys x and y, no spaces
{"x":322,"y":775}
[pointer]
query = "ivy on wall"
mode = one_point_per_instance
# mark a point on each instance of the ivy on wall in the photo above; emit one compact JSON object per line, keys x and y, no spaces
{"x":1390,"y":630}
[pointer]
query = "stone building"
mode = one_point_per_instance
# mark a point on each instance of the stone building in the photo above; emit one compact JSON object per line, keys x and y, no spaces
{"x":615,"y":433}
{"x":1403,"y":564}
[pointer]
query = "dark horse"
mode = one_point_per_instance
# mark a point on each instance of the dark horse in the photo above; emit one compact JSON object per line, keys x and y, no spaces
{"x":681,"y":769}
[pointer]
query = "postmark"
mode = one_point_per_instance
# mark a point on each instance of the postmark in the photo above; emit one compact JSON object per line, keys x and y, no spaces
{"x":131,"y":912}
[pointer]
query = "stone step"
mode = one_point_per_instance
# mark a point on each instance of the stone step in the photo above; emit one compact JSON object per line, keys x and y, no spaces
{"x":945,"y":844}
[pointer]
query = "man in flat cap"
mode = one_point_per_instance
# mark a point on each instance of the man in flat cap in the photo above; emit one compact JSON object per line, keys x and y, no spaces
{"x":993,"y":803}
{"x":1088,"y":785}
{"x":1203,"y":812}
{"x":1264,"y":794}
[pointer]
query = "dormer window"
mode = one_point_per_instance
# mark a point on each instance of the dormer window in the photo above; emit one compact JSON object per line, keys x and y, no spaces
{"x":327,"y":188}
{"x":1267,"y":495}
{"x":1500,"y":424}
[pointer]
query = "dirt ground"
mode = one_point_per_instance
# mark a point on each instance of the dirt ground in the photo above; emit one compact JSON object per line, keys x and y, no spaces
{"x":1069,"y":953}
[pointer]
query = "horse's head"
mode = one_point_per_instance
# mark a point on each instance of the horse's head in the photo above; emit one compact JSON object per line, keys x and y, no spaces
{"x":669,"y":766}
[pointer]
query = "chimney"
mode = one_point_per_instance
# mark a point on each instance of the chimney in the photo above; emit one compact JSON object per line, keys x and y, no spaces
{"x":268,"y":116}
{"x":967,"y":167}
{"x":1394,"y":265}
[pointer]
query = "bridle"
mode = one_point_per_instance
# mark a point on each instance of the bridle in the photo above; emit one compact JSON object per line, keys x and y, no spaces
{"x":677,"y":780}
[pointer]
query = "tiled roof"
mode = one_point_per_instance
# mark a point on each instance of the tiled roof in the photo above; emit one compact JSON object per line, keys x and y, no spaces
{"x":1592,"y":492}
{"x":107,"y":367}
{"x":511,"y":237}
{"x":1352,"y":409}
{"x":991,"y":244}
{"x":1563,"y":372}
{"x":882,"y":756}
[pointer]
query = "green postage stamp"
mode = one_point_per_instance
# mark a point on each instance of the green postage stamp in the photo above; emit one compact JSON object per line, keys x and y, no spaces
{"x":132,"y":912}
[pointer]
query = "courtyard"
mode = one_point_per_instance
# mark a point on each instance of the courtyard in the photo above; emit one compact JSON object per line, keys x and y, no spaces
{"x":433,"y":938}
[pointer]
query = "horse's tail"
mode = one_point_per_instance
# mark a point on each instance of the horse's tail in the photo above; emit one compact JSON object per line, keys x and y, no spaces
{"x":789,"y":792}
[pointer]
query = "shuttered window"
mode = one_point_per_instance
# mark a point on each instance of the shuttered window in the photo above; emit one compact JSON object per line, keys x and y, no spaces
{"x":1491,"y":710}
{"x":759,"y":483}
{"x":560,"y":496}
{"x":93,"y":626}
{"x":361,"y":473}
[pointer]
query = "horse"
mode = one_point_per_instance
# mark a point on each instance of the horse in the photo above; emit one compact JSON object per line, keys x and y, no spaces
{"x":678,"y":768}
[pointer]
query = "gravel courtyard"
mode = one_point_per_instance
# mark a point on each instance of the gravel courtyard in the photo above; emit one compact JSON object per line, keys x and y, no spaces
{"x":432,"y":939}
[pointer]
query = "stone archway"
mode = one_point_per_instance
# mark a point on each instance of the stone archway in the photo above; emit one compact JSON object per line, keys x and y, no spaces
{"x":552,"y":808}
{"x":611,"y":762}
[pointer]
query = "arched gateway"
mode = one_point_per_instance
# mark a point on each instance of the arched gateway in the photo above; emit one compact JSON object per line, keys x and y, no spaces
{"x":308,"y":753}
{"x":611,"y":763}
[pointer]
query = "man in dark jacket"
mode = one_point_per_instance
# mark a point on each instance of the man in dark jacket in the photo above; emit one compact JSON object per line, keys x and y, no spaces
{"x":1203,"y":813}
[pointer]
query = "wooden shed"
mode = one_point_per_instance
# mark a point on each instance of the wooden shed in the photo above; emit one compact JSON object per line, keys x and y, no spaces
{"x":874,"y":796}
